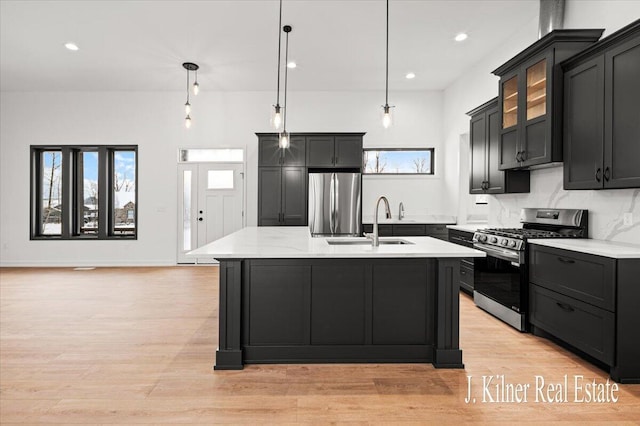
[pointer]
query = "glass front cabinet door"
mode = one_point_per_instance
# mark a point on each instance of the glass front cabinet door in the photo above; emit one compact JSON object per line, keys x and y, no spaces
{"x":530,"y":99}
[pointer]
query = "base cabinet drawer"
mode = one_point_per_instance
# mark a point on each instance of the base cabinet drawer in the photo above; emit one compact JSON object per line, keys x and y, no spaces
{"x":584,"y":326}
{"x":466,"y":278}
{"x":409,"y":230}
{"x":582,"y":276}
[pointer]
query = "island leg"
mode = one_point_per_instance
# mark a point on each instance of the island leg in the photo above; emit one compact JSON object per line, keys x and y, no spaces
{"x":229,"y":353}
{"x":447,"y":353}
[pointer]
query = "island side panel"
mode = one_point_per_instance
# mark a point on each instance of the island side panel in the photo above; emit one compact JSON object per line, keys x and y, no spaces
{"x":229,"y":353}
{"x":447,"y":351}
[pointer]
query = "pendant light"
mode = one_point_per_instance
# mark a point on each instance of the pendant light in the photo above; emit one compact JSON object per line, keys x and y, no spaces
{"x":190,"y":66}
{"x":276,"y":118}
{"x":196,"y":86}
{"x":386,"y":109}
{"x":285,"y":140}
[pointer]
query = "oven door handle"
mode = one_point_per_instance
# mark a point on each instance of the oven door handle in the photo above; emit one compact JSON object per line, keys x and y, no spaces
{"x":507,"y":255}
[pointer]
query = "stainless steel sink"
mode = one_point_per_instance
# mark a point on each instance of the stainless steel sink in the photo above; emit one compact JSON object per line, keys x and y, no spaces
{"x":364,"y":241}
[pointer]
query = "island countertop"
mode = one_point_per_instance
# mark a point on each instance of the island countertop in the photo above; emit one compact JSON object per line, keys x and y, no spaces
{"x":279,"y":242}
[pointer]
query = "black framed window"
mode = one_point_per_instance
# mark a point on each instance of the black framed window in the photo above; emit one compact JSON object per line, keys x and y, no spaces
{"x":84,"y":192}
{"x":391,"y":161}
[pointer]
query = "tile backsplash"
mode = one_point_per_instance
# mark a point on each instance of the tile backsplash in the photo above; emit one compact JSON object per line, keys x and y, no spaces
{"x":607,"y":208}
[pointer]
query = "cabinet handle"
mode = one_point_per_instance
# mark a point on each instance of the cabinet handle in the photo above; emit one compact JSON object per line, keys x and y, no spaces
{"x":463,"y":272}
{"x":598,"y":174}
{"x":335,"y":160}
{"x":200,"y":219}
{"x":523,"y":155}
{"x":566,"y":260}
{"x":607,"y":173}
{"x":518,"y":158}
{"x":565,"y":307}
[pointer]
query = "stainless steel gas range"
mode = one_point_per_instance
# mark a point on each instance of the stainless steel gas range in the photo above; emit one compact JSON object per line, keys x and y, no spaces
{"x":502,"y":278}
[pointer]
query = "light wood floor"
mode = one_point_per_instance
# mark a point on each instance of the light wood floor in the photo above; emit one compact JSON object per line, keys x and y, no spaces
{"x":137,"y":345}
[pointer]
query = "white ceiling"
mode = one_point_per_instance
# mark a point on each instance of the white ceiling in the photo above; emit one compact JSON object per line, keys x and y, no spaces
{"x":339,"y":45}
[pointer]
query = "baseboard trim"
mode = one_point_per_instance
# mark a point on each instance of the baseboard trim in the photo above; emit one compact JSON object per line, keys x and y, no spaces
{"x":83,"y":263}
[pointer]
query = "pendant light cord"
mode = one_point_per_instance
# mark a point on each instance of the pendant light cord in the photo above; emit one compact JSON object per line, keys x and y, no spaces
{"x":279,"y":48}
{"x":286,"y":58}
{"x":386,"y":89}
{"x":187,"y":86}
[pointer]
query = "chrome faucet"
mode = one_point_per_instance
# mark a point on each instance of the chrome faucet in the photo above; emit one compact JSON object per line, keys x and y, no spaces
{"x":375,"y":241}
{"x":401,"y":211}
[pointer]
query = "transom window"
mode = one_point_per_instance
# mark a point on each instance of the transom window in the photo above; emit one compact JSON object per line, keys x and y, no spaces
{"x":84,"y":192}
{"x":385,"y":161}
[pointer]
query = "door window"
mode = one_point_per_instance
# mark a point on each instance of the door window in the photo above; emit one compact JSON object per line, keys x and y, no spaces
{"x":220,"y":179}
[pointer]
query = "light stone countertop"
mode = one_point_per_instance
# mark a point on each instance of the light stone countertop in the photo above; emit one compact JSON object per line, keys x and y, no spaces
{"x":280,"y":242}
{"x":409,"y":219}
{"x":589,"y":246}
{"x":471,"y":227}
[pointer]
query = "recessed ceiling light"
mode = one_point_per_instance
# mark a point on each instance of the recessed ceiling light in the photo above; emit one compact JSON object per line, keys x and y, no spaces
{"x":291,"y":64}
{"x":461,"y":37}
{"x":410,"y":75}
{"x":71,"y":46}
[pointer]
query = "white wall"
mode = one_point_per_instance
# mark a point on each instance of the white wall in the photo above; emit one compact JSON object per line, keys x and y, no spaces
{"x":154,"y":121}
{"x":478,"y":85}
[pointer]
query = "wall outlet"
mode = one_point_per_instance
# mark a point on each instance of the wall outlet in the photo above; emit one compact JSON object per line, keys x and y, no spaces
{"x":628,"y":219}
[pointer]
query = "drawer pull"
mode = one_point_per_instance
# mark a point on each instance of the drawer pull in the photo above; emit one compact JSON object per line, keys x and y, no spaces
{"x":463,"y":272}
{"x":566,"y":260}
{"x":565,"y":307}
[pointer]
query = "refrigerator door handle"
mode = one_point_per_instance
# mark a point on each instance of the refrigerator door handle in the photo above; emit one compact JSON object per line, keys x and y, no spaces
{"x":336,"y":205}
{"x":332,"y":207}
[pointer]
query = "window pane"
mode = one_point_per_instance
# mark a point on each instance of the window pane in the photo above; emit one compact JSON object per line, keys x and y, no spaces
{"x":212,"y":155}
{"x":220,"y":179}
{"x":89,"y":195}
{"x":398,"y":161}
{"x":124,"y":193}
{"x":186,"y":210}
{"x":51,"y":200}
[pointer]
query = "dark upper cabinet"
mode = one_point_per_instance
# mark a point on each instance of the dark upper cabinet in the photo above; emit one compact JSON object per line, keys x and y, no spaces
{"x":484,"y":150}
{"x":602,"y":114}
{"x":270,"y":153}
{"x":321,"y":151}
{"x":334,"y":151}
{"x":282,"y":196}
{"x":530,"y":99}
{"x":348,"y":151}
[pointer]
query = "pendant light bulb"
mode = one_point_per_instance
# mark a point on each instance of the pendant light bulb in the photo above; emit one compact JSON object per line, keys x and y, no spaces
{"x":386,"y":117}
{"x":284,"y":140}
{"x":187,"y":108}
{"x":196,"y":86}
{"x":276,"y":118}
{"x":187,"y":122}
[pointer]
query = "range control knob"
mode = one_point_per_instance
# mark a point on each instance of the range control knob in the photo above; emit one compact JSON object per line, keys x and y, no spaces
{"x":504,"y":242}
{"x":493,"y":240}
{"x":482,"y":238}
{"x":513,"y":243}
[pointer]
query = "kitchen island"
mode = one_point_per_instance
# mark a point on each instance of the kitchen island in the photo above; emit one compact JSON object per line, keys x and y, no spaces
{"x":286,"y":297}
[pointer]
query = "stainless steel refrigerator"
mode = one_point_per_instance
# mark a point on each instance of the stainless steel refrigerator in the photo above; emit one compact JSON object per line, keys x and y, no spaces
{"x":335,"y":206}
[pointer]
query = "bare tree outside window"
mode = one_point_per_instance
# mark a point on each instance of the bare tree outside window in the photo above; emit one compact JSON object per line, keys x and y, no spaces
{"x":51,"y":190}
{"x":398,"y":161}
